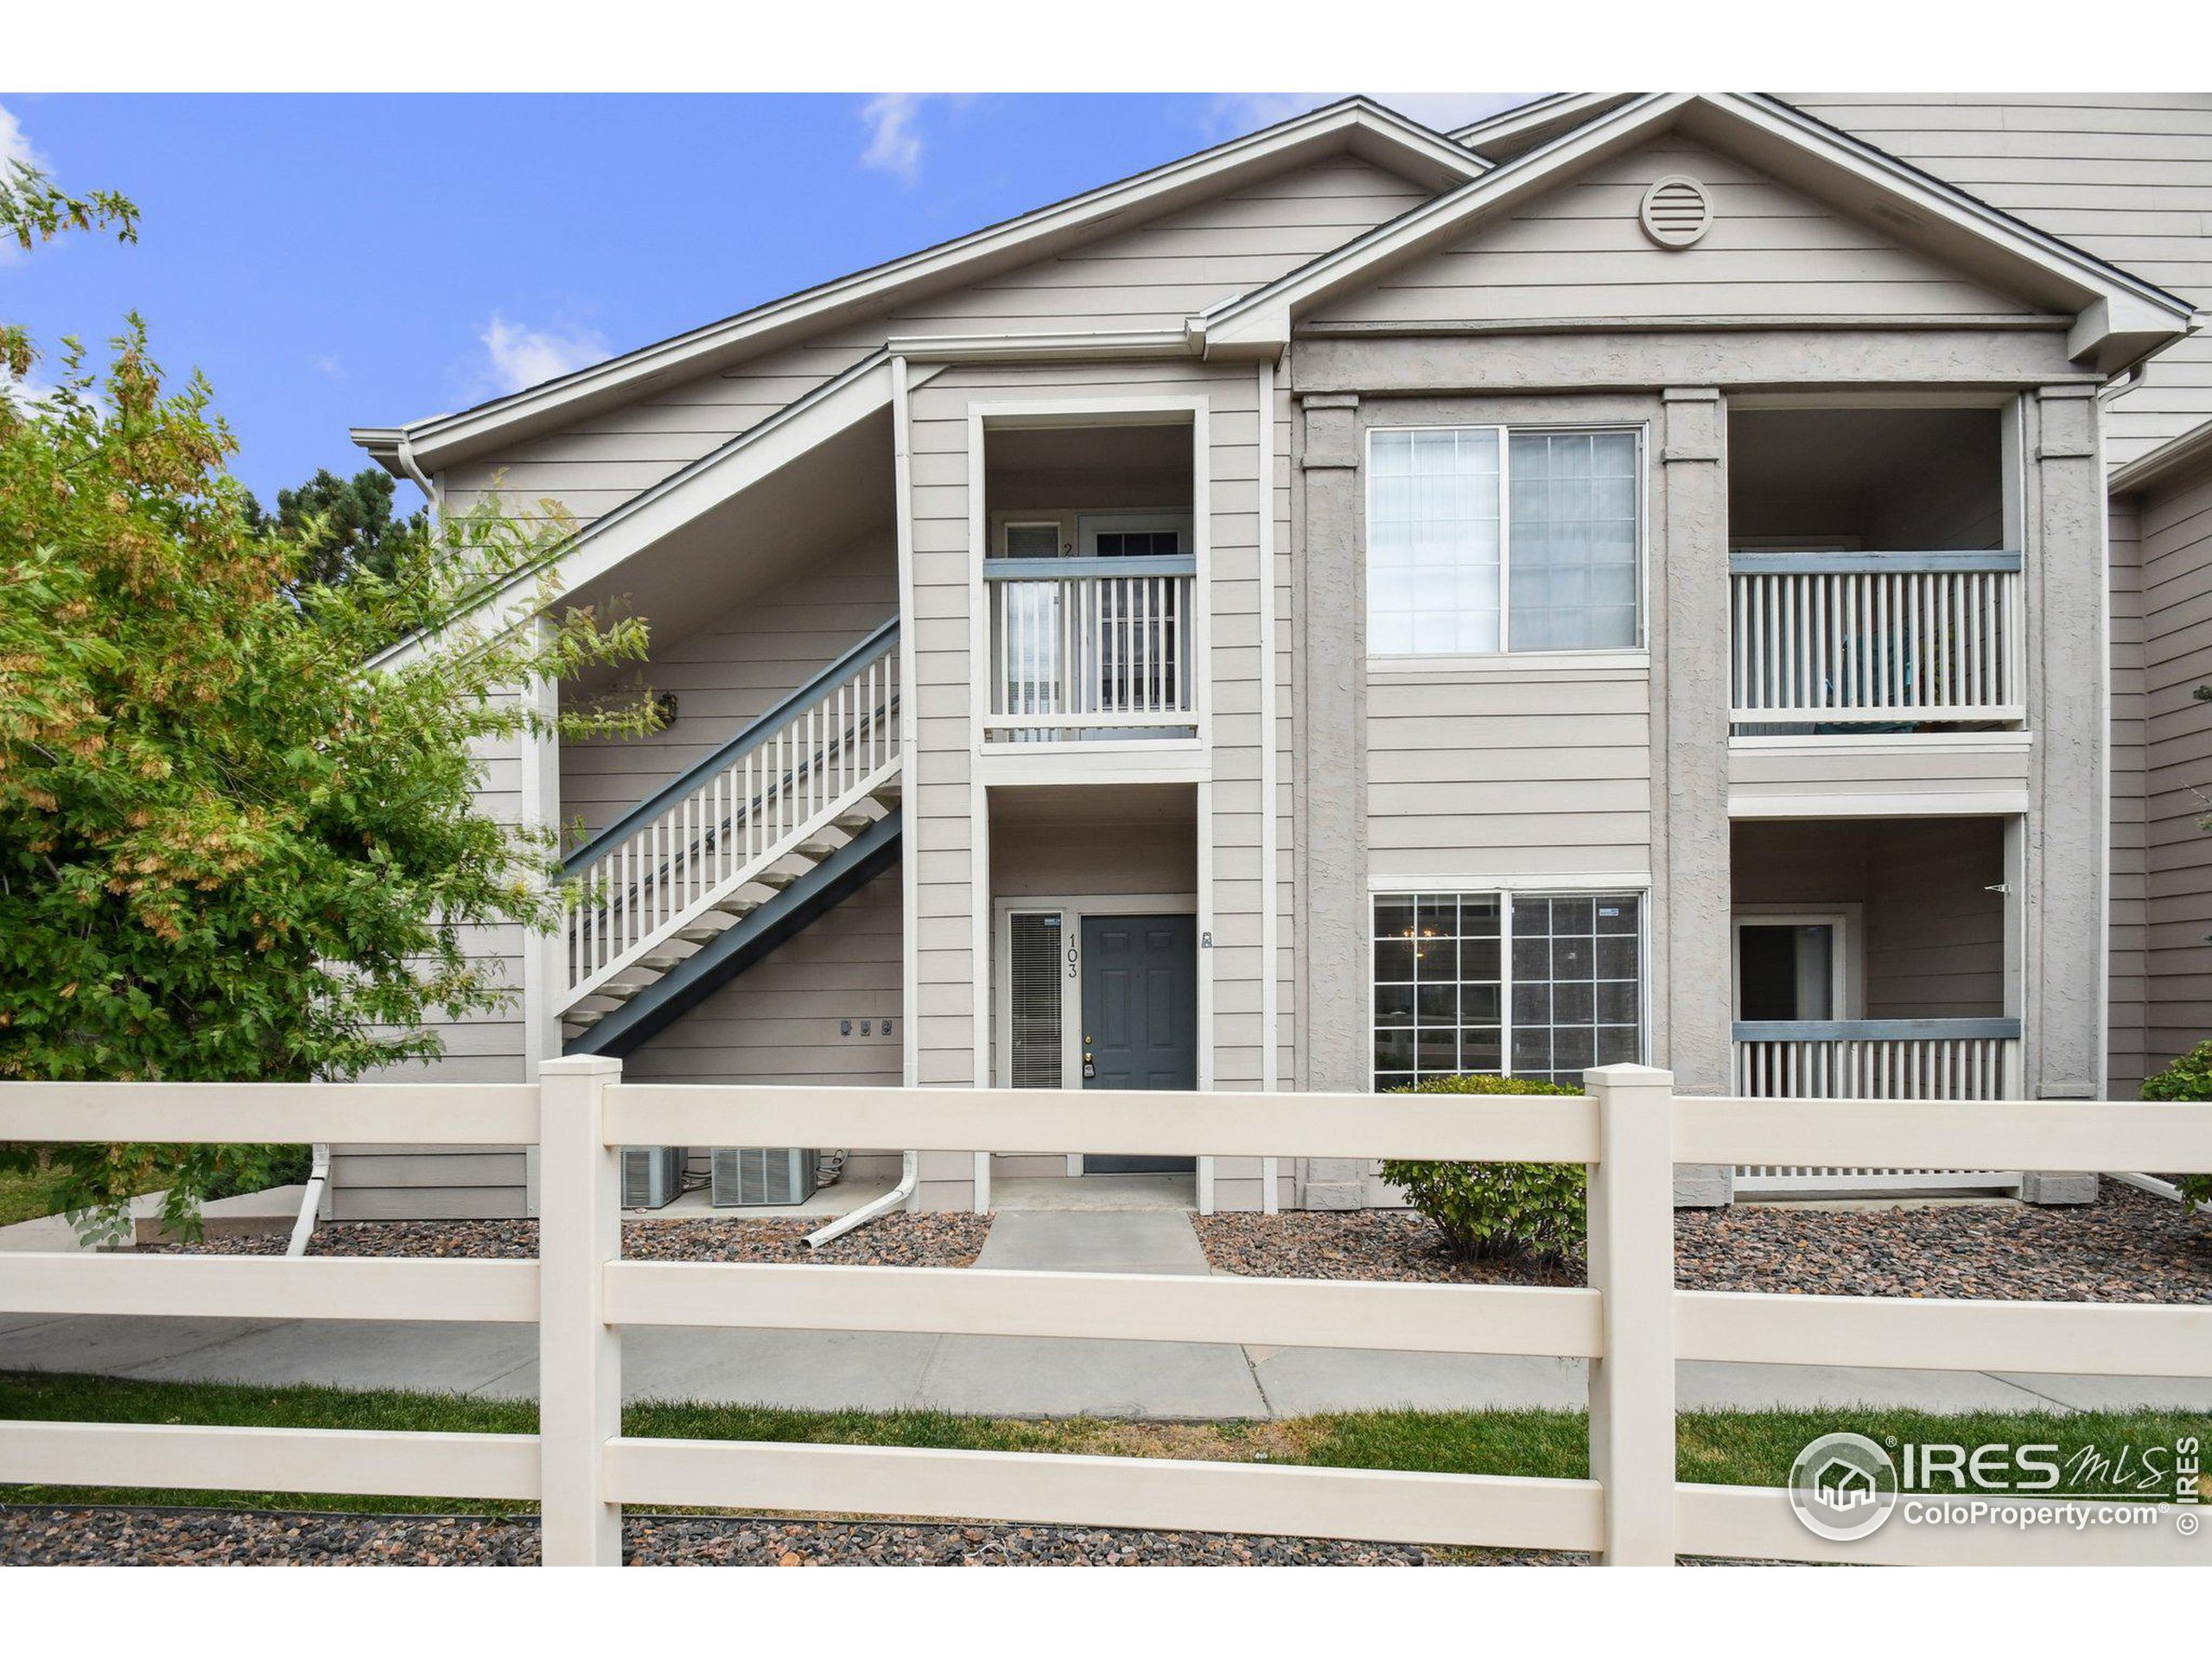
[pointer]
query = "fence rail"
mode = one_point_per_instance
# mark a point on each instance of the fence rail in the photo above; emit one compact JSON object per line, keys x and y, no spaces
{"x":1629,"y":1322}
{"x":1082,"y":646}
{"x":1876,"y":638}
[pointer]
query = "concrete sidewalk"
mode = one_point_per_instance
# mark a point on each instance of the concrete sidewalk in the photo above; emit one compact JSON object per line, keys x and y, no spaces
{"x":1008,"y":1376}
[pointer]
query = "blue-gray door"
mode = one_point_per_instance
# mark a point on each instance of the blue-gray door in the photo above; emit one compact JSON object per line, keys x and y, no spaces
{"x":1139,"y":1014}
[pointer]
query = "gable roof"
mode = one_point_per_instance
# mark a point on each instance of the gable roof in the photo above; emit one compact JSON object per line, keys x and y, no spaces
{"x":600,"y":548}
{"x":1359,"y":124}
{"x":2119,"y":318}
{"x":2174,"y":462}
{"x":1501,"y":137}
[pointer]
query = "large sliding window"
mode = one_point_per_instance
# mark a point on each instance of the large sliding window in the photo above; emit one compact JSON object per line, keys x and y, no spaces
{"x":1530,"y":984}
{"x":1491,"y":538}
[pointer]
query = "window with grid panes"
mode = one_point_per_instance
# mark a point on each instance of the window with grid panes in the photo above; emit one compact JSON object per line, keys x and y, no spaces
{"x":1531,"y":985}
{"x":1489,"y":538}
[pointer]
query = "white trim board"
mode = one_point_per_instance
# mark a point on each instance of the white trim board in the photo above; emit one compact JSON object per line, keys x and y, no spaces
{"x":1913,"y":803}
{"x":1542,"y":881}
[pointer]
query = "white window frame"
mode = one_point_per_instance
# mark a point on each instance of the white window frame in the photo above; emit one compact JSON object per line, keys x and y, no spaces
{"x":1848,"y":969}
{"x":1637,"y":430}
{"x":1088,"y":524}
{"x":1505,"y":889}
{"x":1005,"y":523}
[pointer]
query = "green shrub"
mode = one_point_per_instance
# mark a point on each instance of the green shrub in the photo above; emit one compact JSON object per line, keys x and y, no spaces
{"x":2188,"y":1077}
{"x":1487,"y":1212}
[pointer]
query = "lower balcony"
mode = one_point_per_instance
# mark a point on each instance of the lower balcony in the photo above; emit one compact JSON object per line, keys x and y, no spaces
{"x":1871,"y":962}
{"x":1877,"y":1059}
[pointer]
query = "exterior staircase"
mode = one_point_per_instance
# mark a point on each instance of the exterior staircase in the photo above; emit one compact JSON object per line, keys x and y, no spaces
{"x":749,"y":847}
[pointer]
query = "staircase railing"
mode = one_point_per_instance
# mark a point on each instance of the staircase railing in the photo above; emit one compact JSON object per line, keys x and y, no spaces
{"x":778,"y":782}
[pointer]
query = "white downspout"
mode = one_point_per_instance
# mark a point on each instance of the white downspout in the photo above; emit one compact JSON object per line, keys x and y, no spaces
{"x":902,"y":483}
{"x":405,"y":453}
{"x":909,"y":1177}
{"x":311,"y":1205}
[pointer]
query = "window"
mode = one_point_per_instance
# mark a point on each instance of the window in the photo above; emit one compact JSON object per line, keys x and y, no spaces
{"x":1133,"y":535}
{"x":1034,"y":975}
{"x":1794,"y":967}
{"x":1487,"y":538}
{"x":1032,"y":539}
{"x":1534,"y":985}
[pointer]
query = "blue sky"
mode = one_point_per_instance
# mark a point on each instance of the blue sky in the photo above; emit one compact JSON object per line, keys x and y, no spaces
{"x":337,"y":261}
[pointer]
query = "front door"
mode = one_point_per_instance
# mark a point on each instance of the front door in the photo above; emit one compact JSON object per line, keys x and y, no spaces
{"x":1139,"y":1014}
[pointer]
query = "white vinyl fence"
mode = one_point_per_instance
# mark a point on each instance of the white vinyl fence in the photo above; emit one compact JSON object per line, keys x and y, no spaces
{"x":1631,"y":1323}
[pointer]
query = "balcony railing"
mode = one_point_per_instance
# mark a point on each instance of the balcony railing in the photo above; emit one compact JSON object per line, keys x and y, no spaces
{"x":1874,"y":1060}
{"x":1091,"y":648}
{"x":1875,"y":640}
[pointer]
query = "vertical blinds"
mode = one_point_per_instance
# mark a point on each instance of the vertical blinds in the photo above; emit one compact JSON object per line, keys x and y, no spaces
{"x":1034,"y":979}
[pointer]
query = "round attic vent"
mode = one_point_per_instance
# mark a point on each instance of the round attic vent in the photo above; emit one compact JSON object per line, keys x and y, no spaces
{"x":1676,"y":212}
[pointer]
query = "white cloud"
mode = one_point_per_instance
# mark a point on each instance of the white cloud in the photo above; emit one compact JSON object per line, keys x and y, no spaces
{"x":14,"y":146}
{"x":31,"y":393}
{"x":893,"y":146}
{"x":15,"y":143}
{"x":1239,"y":112}
{"x":522,"y":357}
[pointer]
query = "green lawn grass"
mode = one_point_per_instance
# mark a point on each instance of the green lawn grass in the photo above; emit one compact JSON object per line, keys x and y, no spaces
{"x":1724,"y":1448}
{"x":27,"y":1194}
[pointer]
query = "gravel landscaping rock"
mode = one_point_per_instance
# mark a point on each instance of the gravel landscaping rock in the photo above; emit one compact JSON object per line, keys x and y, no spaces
{"x":1393,"y":1244}
{"x":123,"y":1537}
{"x":126,"y":1537}
{"x":924,"y":1240}
{"x":2128,"y":1247}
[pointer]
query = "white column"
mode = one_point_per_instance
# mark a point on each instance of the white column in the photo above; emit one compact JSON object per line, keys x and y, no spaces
{"x":1632,"y":1267}
{"x":579,"y":1354}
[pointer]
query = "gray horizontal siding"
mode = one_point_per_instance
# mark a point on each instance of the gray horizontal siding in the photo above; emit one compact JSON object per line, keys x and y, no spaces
{"x":2129,"y":914}
{"x":2175,"y":556}
{"x":2127,"y":177}
{"x":1523,"y":771}
{"x":777,"y":1022}
{"x":1580,"y":250}
{"x":1140,"y":276}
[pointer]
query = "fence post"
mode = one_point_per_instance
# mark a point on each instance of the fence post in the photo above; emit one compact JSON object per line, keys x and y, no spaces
{"x":579,"y":1354}
{"x":1632,"y":1267}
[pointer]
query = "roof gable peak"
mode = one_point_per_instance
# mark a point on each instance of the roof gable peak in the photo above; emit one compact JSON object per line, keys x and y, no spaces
{"x":2119,"y":318}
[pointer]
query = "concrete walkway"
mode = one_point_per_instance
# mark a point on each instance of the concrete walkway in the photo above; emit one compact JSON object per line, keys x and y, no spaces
{"x":1010,"y":1376}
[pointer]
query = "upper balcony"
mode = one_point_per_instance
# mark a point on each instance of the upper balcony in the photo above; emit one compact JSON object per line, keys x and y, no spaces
{"x":1090,"y":585}
{"x":1872,"y":590}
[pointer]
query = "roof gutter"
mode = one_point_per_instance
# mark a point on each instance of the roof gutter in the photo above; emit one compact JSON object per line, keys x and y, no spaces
{"x":392,"y":448}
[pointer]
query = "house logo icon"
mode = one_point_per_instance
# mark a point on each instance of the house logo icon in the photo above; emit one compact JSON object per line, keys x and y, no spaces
{"x":1843,"y":1487}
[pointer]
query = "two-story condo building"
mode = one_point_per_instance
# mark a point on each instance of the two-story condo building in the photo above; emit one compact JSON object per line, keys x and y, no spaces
{"x":1708,"y":579}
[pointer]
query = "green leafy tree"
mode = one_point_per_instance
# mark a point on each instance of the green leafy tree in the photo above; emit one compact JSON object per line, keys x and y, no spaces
{"x":2188,"y":1077}
{"x":33,"y":210}
{"x":347,"y":525}
{"x":231,"y":846}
